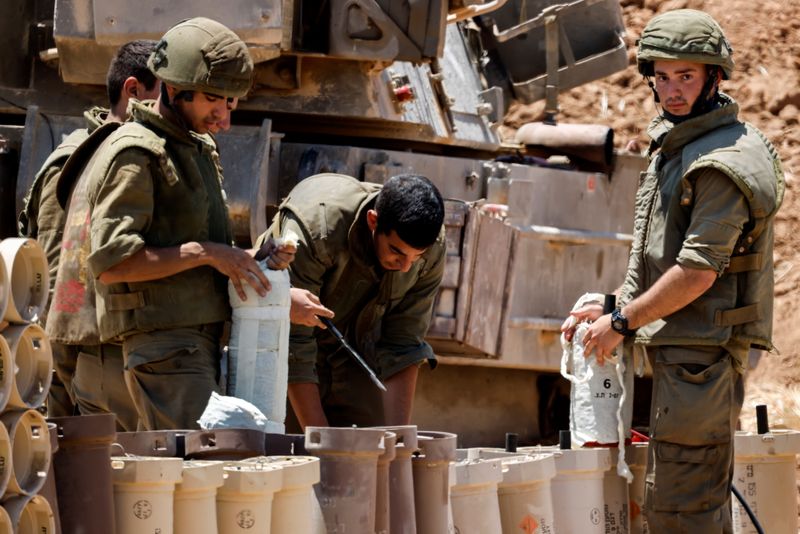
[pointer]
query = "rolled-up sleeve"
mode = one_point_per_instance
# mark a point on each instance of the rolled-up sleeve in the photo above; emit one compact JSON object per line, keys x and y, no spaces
{"x":122,"y":210}
{"x":719,"y":213}
{"x":402,"y":342}
{"x":306,"y":272}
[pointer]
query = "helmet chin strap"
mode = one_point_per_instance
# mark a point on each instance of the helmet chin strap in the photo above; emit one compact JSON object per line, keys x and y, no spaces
{"x":701,"y":105}
{"x":188,"y":96}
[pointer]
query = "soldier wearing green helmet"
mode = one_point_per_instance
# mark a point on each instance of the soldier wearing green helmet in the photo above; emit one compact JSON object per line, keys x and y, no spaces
{"x":698,"y":292}
{"x":160,"y":236}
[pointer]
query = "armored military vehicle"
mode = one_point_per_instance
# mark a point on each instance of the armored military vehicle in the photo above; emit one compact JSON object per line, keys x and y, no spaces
{"x":374,"y":88}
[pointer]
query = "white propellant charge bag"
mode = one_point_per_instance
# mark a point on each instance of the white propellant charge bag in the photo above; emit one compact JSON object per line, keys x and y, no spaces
{"x":258,"y":350}
{"x":601,"y":397}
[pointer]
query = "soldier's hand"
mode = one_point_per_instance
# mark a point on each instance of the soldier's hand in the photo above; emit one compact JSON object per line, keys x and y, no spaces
{"x":277,"y":253}
{"x":601,"y":339}
{"x":306,"y":307}
{"x":239,"y":266}
{"x":281,"y":256}
{"x":590,"y":312}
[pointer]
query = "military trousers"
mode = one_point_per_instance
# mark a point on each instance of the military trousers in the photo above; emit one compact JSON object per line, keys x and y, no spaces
{"x":60,"y":397}
{"x":348,"y":395}
{"x":172,"y":373}
{"x":697,"y":398}
{"x":99,"y":385}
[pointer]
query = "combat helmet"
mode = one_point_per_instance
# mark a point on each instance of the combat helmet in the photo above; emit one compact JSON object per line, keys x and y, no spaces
{"x":201,"y":54}
{"x":687,"y":35}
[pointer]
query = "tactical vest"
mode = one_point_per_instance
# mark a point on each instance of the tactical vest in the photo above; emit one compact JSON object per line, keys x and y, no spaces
{"x":73,"y":315}
{"x":188,"y":206}
{"x":43,"y":218}
{"x":738,"y":306}
{"x":27,"y":220}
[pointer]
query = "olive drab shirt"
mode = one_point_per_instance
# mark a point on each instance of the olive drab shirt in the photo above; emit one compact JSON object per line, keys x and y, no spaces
{"x":707,"y":201}
{"x":384,"y":314}
{"x":155,"y":184}
{"x":43,"y":218}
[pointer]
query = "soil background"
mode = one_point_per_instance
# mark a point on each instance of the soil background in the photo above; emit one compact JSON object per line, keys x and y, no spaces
{"x":765,"y":36}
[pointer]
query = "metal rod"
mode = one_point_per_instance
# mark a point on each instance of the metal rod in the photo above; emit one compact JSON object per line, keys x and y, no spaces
{"x":338,"y":335}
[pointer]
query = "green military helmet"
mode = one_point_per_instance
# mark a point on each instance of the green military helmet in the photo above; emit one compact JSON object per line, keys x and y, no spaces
{"x":201,"y":54}
{"x":687,"y":35}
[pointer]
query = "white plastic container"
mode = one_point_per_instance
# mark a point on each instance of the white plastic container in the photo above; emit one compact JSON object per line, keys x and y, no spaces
{"x":258,"y":350}
{"x":636,"y":455}
{"x":144,"y":489}
{"x":294,"y":506}
{"x":196,"y":497}
{"x":6,"y":461}
{"x":244,"y":502}
{"x":5,"y":289}
{"x":524,"y":493}
{"x":30,"y":451}
{"x":28,"y":278}
{"x":473,"y":496}
{"x":764,"y":473}
{"x":29,"y":514}
{"x":577,"y":489}
{"x":526,"y":502}
{"x":33,"y":362}
{"x":616,"y":510}
{"x":6,"y":372}
{"x":6,"y":527}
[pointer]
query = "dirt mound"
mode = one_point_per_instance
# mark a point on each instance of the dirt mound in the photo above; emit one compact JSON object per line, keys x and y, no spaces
{"x":766,"y":41}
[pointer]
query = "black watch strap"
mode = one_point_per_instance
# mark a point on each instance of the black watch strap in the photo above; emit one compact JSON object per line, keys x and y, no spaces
{"x":619,"y":323}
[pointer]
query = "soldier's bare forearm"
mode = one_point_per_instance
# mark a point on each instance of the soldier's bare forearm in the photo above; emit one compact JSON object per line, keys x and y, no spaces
{"x":398,"y":401}
{"x":153,"y":263}
{"x":677,"y":288}
{"x":307,"y":405}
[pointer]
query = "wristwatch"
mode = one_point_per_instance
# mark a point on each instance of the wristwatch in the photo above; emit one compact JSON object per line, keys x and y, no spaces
{"x":619,"y":323}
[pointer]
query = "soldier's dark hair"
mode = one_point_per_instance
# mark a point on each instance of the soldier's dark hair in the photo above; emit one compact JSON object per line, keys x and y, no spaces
{"x":130,"y":60}
{"x":410,"y":205}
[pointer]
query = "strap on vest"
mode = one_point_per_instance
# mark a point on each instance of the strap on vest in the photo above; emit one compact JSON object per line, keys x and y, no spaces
{"x":746,"y":262}
{"x":78,"y":160}
{"x":734,"y":316}
{"x":125,"y":301}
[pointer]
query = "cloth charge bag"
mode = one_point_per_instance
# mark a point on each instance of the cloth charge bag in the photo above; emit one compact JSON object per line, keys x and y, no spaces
{"x":601,"y":397}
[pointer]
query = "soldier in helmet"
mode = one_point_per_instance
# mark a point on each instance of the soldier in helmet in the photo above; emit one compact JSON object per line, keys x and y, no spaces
{"x":43,"y":218}
{"x":160,"y":237}
{"x":698,"y":291}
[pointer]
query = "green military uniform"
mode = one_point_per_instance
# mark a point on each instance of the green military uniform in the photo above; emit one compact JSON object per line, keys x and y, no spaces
{"x":385,"y":314}
{"x":43,"y":219}
{"x":152,"y":183}
{"x":98,"y":384}
{"x":706,"y":202}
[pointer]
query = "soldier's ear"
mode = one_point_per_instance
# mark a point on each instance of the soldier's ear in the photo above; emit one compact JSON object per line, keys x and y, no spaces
{"x":130,"y":87}
{"x":372,"y":220}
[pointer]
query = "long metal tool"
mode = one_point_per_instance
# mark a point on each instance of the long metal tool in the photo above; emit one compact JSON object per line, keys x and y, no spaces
{"x":338,"y":335}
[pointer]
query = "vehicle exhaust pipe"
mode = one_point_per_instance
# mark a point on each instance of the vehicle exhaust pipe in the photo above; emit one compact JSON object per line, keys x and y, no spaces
{"x":592,"y":143}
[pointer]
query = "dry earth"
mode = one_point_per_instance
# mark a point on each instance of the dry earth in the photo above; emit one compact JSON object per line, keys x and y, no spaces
{"x":765,"y":36}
